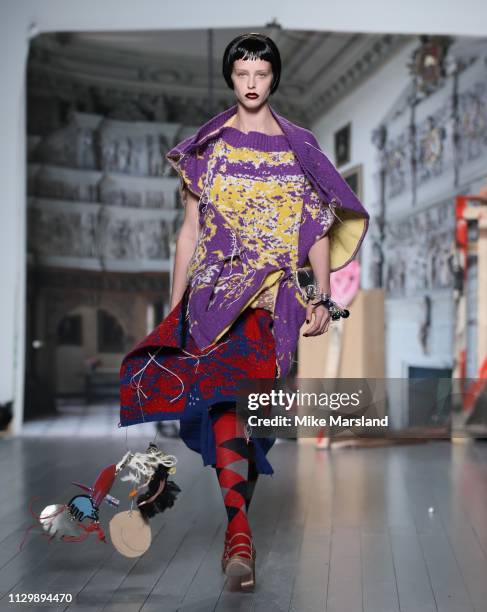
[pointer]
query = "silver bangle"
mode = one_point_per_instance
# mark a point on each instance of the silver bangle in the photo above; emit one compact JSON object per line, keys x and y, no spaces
{"x":314,"y":291}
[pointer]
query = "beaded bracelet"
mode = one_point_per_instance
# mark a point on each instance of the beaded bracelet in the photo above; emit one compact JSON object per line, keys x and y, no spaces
{"x":312,"y":291}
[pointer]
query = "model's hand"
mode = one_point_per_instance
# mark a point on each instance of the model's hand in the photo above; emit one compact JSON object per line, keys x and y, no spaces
{"x":321,"y":319}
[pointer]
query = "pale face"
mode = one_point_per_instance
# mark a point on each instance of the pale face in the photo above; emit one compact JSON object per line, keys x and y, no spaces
{"x":252,"y":76}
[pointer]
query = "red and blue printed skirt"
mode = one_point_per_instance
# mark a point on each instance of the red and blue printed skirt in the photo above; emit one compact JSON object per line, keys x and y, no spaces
{"x":166,"y":377}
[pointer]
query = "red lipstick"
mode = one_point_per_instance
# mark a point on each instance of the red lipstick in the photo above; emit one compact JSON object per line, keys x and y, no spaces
{"x":252,"y":96}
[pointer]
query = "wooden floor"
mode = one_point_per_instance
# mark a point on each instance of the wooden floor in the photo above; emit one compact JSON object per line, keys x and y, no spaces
{"x":400,"y":528}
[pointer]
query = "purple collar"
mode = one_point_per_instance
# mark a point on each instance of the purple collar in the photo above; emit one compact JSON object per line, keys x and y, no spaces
{"x":325,"y":178}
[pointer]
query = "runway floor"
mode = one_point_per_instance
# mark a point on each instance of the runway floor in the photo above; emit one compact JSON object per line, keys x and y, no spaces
{"x":399,"y":528}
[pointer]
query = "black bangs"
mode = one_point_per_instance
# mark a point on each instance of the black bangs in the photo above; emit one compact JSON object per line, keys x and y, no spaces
{"x":252,"y":46}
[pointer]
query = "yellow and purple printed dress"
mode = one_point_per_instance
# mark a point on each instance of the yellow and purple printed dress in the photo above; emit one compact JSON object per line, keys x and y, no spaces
{"x":260,"y":189}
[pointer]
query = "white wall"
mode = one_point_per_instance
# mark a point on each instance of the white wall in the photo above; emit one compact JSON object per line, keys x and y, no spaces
{"x":365,"y":108}
{"x":19,"y":20}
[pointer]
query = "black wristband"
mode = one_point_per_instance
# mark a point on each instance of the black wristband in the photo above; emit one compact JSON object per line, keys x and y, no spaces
{"x":335,"y":311}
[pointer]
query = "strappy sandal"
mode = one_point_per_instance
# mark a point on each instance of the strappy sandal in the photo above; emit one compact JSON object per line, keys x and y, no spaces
{"x":226,"y":554}
{"x":242,"y":564}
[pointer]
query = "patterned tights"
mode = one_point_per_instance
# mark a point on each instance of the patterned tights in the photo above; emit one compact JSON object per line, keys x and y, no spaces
{"x":235,"y":468}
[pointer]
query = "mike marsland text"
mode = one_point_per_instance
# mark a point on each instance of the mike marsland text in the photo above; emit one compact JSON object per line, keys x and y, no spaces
{"x":312,"y":421}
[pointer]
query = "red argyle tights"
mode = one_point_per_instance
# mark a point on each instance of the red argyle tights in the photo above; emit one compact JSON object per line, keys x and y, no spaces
{"x":235,"y":468}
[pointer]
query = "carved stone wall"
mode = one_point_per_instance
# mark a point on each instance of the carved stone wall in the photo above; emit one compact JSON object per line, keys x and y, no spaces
{"x":433,"y":145}
{"x":103,"y":212}
{"x":419,"y":252}
{"x":81,"y":235}
{"x":101,"y":195}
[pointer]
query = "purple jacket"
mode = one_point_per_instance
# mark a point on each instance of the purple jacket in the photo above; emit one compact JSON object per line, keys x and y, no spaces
{"x":208,"y":322}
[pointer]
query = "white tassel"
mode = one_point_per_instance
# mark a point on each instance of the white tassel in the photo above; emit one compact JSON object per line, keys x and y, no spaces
{"x":144,"y":465}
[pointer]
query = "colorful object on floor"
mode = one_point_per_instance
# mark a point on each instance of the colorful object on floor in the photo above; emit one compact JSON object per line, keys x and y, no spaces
{"x":83,"y":506}
{"x":57,"y":522}
{"x":130,"y":534}
{"x":66,"y":522}
{"x":161,"y":494}
{"x":109,"y":499}
{"x":154,"y":466}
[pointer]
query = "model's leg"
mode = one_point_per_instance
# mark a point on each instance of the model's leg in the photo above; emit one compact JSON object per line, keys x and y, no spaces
{"x":232,"y":468}
{"x":252,"y":473}
{"x":252,"y":476}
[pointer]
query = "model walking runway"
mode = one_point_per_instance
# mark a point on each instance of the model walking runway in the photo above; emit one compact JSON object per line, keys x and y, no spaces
{"x":262,"y":202}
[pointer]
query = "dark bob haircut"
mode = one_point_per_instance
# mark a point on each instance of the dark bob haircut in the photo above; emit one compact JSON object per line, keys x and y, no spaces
{"x":252,"y":46}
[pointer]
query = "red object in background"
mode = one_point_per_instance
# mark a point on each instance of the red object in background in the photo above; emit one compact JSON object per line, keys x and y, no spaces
{"x":476,"y":387}
{"x":461,"y":235}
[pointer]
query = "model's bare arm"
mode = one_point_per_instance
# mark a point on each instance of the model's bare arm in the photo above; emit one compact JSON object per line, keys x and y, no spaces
{"x":319,"y":258}
{"x":185,"y":246}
